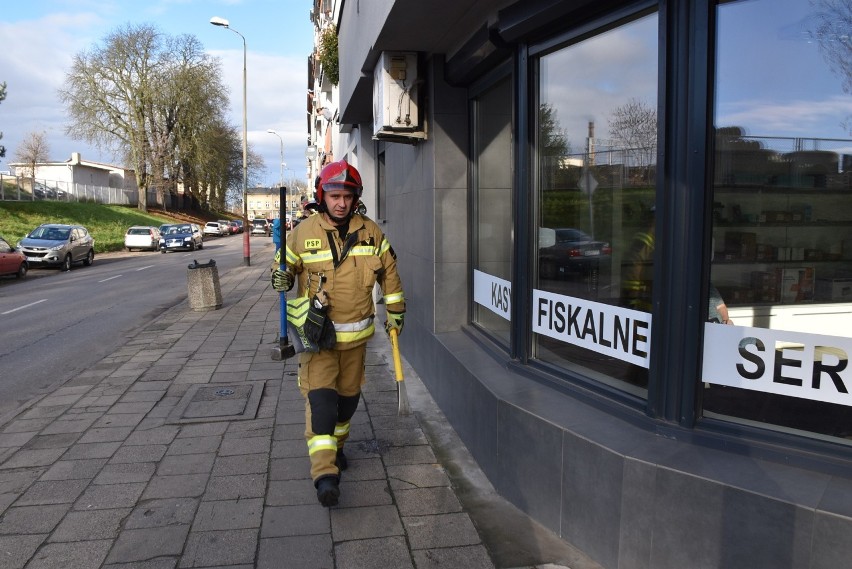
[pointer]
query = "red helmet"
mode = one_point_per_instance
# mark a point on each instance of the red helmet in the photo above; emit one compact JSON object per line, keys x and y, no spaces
{"x":339,"y":176}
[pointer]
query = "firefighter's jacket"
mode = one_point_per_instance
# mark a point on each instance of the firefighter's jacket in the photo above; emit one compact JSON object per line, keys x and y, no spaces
{"x":346,"y":269}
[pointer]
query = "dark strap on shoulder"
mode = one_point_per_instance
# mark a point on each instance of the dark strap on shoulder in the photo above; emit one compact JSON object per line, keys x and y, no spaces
{"x":351,"y":241}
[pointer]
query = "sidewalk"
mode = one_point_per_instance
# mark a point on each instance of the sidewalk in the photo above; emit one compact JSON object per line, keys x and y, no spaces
{"x":185,"y":448}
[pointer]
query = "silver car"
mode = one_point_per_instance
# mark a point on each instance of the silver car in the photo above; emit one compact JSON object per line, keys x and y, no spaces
{"x":58,"y":245}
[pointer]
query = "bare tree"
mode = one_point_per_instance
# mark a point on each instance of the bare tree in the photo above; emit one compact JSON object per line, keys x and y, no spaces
{"x":830,"y":31}
{"x":33,"y":151}
{"x":109,"y":93}
{"x":634,"y":127}
{"x":157,"y":101}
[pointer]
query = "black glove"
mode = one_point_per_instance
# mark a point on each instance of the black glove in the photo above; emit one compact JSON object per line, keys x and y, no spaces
{"x":282,"y":281}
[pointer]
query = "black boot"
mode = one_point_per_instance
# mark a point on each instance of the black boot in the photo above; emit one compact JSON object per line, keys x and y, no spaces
{"x":328,"y":490}
{"x":341,"y":462}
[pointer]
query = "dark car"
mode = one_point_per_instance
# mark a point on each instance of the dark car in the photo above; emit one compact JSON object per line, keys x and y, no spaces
{"x":12,"y":262}
{"x":42,"y":192}
{"x":569,"y":252}
{"x":181,"y":237}
{"x":58,"y":245}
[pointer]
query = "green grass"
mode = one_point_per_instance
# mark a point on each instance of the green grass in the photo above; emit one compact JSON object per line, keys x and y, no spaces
{"x":106,"y":223}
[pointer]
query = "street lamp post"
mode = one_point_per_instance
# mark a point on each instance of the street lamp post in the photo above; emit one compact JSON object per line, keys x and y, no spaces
{"x":270,"y":131}
{"x":217,"y":21}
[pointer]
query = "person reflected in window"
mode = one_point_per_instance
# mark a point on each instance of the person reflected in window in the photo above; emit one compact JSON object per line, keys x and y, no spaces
{"x":717,"y":310}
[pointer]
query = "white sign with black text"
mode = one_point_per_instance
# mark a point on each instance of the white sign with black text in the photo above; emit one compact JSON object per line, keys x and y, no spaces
{"x":808,"y":366}
{"x":493,"y":293}
{"x":618,"y":332}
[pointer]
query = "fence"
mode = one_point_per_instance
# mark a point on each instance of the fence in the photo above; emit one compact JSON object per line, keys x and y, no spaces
{"x":17,"y":188}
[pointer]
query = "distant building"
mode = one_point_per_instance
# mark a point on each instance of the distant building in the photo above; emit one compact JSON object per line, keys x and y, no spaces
{"x":79,"y":171}
{"x":265,"y":202}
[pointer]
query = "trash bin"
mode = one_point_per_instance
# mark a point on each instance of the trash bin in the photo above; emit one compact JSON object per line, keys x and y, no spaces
{"x":202,"y":284}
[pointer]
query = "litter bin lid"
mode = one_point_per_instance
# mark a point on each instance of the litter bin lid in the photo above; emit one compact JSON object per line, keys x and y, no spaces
{"x":196,"y":265}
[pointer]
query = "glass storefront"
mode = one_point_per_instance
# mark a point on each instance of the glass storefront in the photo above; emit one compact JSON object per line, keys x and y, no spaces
{"x":782,"y":217}
{"x":596,"y":152}
{"x":492,"y":139}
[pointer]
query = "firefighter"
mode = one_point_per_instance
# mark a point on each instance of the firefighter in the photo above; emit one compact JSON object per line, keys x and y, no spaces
{"x":338,"y":255}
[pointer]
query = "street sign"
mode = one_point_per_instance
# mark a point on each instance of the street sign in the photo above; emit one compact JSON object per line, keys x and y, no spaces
{"x":587,"y":182}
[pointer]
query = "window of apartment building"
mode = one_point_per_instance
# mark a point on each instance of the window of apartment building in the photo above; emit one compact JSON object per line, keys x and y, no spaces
{"x":595,"y":177}
{"x":782,"y":218}
{"x":491,"y":115}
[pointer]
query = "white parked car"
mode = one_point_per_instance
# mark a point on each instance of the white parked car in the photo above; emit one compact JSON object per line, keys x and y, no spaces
{"x":215,"y":228}
{"x":142,"y":237}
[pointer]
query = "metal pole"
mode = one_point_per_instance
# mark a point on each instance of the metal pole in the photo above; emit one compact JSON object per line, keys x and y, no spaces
{"x":216,"y":21}
{"x":270,"y":131}
{"x":246,"y":234}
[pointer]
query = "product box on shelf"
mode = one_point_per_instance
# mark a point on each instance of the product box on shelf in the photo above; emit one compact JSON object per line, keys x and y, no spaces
{"x":776,"y":216}
{"x":764,"y":252}
{"x":795,"y":284}
{"x":740,"y":245}
{"x":834,"y":289}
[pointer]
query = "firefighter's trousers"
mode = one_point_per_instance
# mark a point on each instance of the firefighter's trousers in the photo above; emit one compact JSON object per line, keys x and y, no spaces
{"x":330,"y":381}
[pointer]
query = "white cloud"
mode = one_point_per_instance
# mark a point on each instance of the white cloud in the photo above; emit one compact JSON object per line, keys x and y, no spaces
{"x":819,"y":119}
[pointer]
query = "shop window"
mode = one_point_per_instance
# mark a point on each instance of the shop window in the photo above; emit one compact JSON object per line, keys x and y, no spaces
{"x":596,"y":148}
{"x":782,"y":217}
{"x":492,"y":207}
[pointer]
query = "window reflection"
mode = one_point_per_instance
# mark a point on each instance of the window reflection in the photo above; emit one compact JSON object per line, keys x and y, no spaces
{"x":782,"y":215}
{"x":596,"y":150}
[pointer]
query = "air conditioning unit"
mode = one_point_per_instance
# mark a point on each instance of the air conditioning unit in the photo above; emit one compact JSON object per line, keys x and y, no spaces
{"x":395,"y":95}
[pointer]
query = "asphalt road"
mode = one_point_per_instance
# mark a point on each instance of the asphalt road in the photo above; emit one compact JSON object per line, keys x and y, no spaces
{"x":56,"y":324}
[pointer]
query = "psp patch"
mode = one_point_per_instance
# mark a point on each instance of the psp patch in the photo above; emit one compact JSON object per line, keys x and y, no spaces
{"x":313,"y":243}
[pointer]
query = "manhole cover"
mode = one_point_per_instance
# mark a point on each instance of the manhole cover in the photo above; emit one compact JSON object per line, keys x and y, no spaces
{"x":205,"y":403}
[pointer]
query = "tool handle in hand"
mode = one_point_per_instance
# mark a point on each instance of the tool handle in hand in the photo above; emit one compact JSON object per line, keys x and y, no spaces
{"x":397,"y":361}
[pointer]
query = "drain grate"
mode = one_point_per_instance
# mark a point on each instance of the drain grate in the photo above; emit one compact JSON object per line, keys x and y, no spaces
{"x":206,"y":403}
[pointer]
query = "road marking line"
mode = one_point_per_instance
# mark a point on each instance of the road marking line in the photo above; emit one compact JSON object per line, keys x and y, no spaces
{"x":109,"y":279}
{"x":143,"y":268}
{"x":24,"y":306}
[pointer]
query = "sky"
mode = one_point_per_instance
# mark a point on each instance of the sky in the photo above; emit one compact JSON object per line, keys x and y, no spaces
{"x":771,"y":79}
{"x":38,"y":39}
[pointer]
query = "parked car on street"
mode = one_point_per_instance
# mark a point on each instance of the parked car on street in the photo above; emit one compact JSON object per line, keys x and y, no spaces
{"x":226,"y":223}
{"x":260,"y":226}
{"x":569,"y":252}
{"x":12,"y":262}
{"x":181,"y":237}
{"x":58,"y":245}
{"x":142,"y":237}
{"x":215,"y":228}
{"x":238,"y":224}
